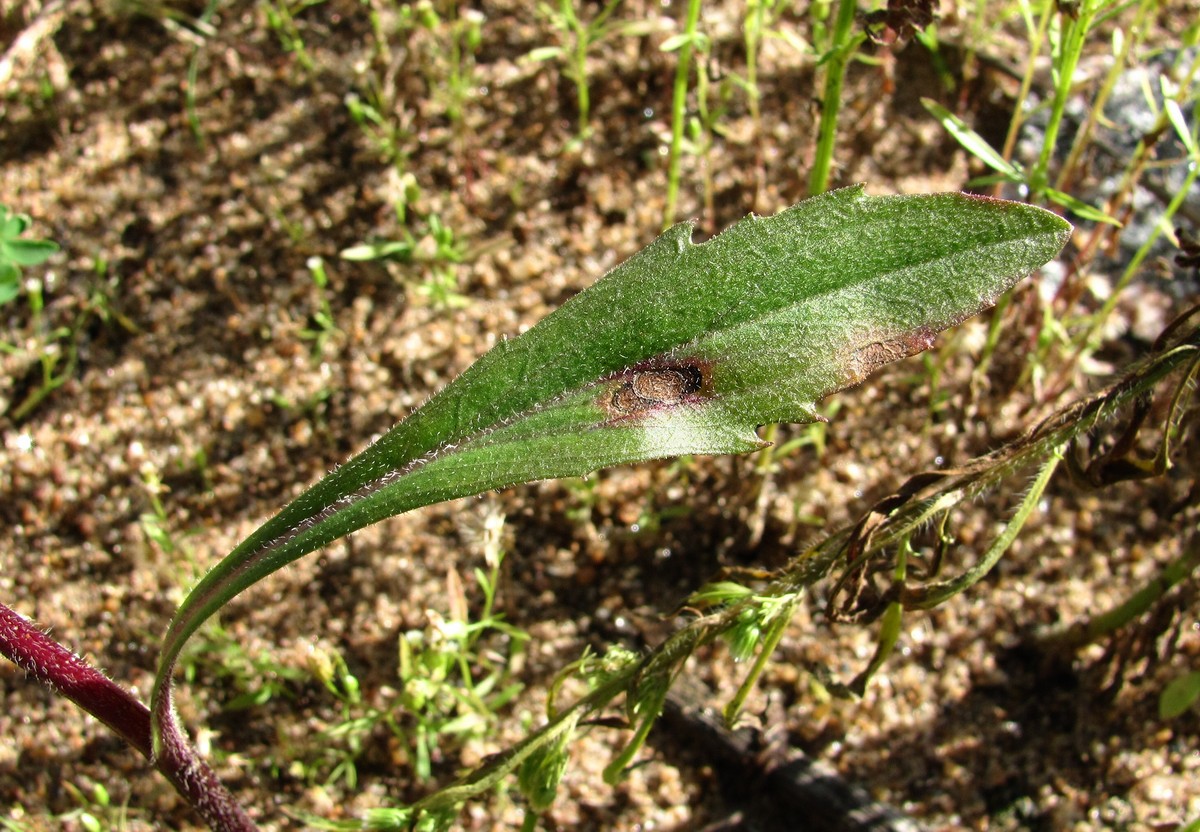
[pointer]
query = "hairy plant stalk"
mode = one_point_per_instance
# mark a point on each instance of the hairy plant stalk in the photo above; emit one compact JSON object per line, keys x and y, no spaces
{"x":67,"y":674}
{"x":933,"y":595}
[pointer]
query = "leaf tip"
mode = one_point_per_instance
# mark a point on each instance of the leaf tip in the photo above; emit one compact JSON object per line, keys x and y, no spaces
{"x":865,"y":355}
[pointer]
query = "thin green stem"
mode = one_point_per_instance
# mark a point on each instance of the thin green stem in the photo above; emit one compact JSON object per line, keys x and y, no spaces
{"x":753,"y":28}
{"x":1097,"y":627}
{"x":1096,"y":110}
{"x":841,"y":50}
{"x":678,"y":107}
{"x":1018,"y":117}
{"x":1070,"y":48}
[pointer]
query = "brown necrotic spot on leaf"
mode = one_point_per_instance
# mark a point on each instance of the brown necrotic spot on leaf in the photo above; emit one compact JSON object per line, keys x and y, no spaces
{"x":626,"y":401}
{"x":653,"y":386}
{"x":667,"y":386}
{"x":864,"y":360}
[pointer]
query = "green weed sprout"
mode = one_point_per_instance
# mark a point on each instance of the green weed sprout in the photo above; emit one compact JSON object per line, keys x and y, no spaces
{"x":577,"y":37}
{"x":436,"y":254}
{"x":57,"y":353}
{"x":454,"y":673}
{"x":281,"y":17}
{"x":757,"y":24}
{"x":17,"y":252}
{"x":1066,"y":27}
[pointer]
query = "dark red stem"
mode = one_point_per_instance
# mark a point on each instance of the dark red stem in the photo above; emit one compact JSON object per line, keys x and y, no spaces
{"x":62,"y":671}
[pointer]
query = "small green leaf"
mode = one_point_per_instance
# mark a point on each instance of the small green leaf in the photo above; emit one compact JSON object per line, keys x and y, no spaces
{"x":1080,"y":208}
{"x":10,"y":282}
{"x":971,"y":141}
{"x":27,"y":252}
{"x":543,"y":53}
{"x":398,"y":249}
{"x":718,"y":594}
{"x":1179,"y":122}
{"x":889,"y":634}
{"x":12,"y":225}
{"x":696,"y":40}
{"x":1179,"y":695}
{"x":682,"y":349}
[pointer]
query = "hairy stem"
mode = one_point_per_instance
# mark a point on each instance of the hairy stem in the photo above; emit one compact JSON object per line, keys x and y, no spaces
{"x":67,"y":674}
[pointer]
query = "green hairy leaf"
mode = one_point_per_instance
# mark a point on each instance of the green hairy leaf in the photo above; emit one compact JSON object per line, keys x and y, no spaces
{"x":682,"y":349}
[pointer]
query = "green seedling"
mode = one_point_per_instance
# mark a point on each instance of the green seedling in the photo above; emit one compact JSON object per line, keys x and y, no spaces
{"x":459,"y":33}
{"x":451,"y":689}
{"x":96,"y":811}
{"x":203,"y":33}
{"x":389,"y":131}
{"x":466,"y":36}
{"x":683,"y":349}
{"x":155,"y":524}
{"x":455,"y":677}
{"x":759,"y":23}
{"x":281,"y":18}
{"x":55,"y":347}
{"x":704,"y":127}
{"x":343,"y":741}
{"x":323,"y":326}
{"x":1007,"y":171}
{"x":577,"y":37}
{"x":18,"y":252}
{"x":436,"y":254}
{"x":174,"y":20}
{"x":843,"y":43}
{"x":254,"y":679}
{"x":1067,"y":28}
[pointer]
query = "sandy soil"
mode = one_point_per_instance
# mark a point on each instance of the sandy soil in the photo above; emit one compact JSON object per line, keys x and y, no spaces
{"x":198,"y":384}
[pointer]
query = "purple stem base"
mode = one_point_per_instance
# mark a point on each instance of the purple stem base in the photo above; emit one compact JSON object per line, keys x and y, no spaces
{"x":63,"y":672}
